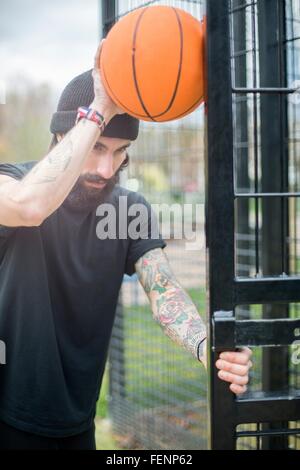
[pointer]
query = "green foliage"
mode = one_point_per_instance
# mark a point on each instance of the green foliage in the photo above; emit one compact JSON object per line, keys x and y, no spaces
{"x":24,"y":123}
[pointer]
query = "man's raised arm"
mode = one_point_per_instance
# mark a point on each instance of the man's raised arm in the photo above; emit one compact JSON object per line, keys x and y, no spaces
{"x":46,"y":186}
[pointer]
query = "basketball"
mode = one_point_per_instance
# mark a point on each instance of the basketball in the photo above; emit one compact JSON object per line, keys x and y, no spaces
{"x":152,"y":63}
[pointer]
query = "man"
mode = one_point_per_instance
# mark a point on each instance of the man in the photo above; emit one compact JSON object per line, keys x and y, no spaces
{"x":59,"y":281}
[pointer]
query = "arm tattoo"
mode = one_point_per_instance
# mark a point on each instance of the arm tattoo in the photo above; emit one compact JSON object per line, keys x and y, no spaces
{"x":172,"y":307}
{"x":56,"y":162}
{"x":154,"y":272}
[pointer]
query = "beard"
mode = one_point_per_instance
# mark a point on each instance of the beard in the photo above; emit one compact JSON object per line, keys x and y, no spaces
{"x":86,"y":198}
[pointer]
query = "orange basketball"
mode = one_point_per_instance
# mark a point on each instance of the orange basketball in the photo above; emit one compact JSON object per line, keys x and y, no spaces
{"x":152,"y":63}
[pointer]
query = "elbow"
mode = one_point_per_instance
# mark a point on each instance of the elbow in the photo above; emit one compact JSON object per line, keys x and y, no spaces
{"x":32,"y":216}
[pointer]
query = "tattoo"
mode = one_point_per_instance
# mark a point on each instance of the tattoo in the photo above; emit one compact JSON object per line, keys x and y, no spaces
{"x":155,"y":272}
{"x":172,"y":307}
{"x":56,"y":162}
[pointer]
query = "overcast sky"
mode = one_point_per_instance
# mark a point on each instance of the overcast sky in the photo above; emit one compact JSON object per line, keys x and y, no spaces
{"x":49,"y":40}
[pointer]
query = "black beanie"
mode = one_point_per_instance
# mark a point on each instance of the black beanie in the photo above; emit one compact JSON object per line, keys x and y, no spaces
{"x":80,"y":92}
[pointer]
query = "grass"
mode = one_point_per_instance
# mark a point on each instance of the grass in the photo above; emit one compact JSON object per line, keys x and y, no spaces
{"x":102,"y":404}
{"x":105,"y":439}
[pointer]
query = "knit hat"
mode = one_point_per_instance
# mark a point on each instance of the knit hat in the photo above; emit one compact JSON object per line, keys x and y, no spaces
{"x":80,"y":92}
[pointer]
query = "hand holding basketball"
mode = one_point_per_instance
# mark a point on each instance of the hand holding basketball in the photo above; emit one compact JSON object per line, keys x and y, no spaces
{"x":102,"y":101}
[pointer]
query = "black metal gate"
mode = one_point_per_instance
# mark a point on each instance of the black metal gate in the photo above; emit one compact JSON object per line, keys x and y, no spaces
{"x":252,"y":216}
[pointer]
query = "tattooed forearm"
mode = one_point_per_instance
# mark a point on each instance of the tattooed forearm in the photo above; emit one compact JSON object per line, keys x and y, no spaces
{"x":56,"y":162}
{"x":154,"y":272}
{"x":179,"y":318}
{"x":49,"y":182}
{"x":172,"y":307}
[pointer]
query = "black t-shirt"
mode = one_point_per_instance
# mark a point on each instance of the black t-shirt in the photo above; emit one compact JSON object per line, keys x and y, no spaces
{"x":59,"y":285}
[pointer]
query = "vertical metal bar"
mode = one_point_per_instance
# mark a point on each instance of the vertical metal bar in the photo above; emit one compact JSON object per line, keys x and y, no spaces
{"x":284,"y":155}
{"x":292,"y":132}
{"x":270,"y":14}
{"x":241,"y":136}
{"x":257,"y":437}
{"x":255,"y":131}
{"x":219,"y":209}
{"x":108,"y":15}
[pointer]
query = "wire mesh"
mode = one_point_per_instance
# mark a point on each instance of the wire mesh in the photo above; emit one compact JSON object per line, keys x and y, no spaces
{"x":265,"y":124}
{"x":157,"y":390}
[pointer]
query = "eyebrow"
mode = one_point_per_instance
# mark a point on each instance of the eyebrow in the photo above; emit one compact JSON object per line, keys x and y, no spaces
{"x":123,"y":147}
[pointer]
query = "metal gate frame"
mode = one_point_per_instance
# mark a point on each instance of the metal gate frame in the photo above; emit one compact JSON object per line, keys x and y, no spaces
{"x":225,"y":289}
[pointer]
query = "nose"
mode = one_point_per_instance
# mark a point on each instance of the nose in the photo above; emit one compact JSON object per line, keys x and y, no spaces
{"x":105,"y":167}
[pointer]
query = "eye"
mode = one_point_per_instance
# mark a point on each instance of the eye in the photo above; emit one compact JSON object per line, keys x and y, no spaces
{"x":98,"y":147}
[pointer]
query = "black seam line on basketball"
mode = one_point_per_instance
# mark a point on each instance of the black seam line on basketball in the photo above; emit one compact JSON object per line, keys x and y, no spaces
{"x":180,"y":61}
{"x":133,"y":113}
{"x":193,"y":105}
{"x":134,"y":66}
{"x":179,"y":68}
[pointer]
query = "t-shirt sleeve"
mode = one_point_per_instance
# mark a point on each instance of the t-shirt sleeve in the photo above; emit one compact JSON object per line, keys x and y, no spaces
{"x":143,"y":231}
{"x":16,"y":171}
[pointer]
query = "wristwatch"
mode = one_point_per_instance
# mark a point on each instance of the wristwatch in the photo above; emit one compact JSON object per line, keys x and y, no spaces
{"x":91,"y":115}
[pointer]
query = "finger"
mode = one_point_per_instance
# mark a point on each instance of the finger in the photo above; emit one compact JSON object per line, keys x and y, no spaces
{"x":236,"y":369}
{"x":236,"y":357}
{"x":244,"y":351}
{"x":247,"y":351}
{"x":97,"y":56}
{"x":238,"y":389}
{"x":234,"y":379}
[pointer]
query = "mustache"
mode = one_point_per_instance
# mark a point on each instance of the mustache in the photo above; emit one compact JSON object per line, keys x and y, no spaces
{"x":97,"y":179}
